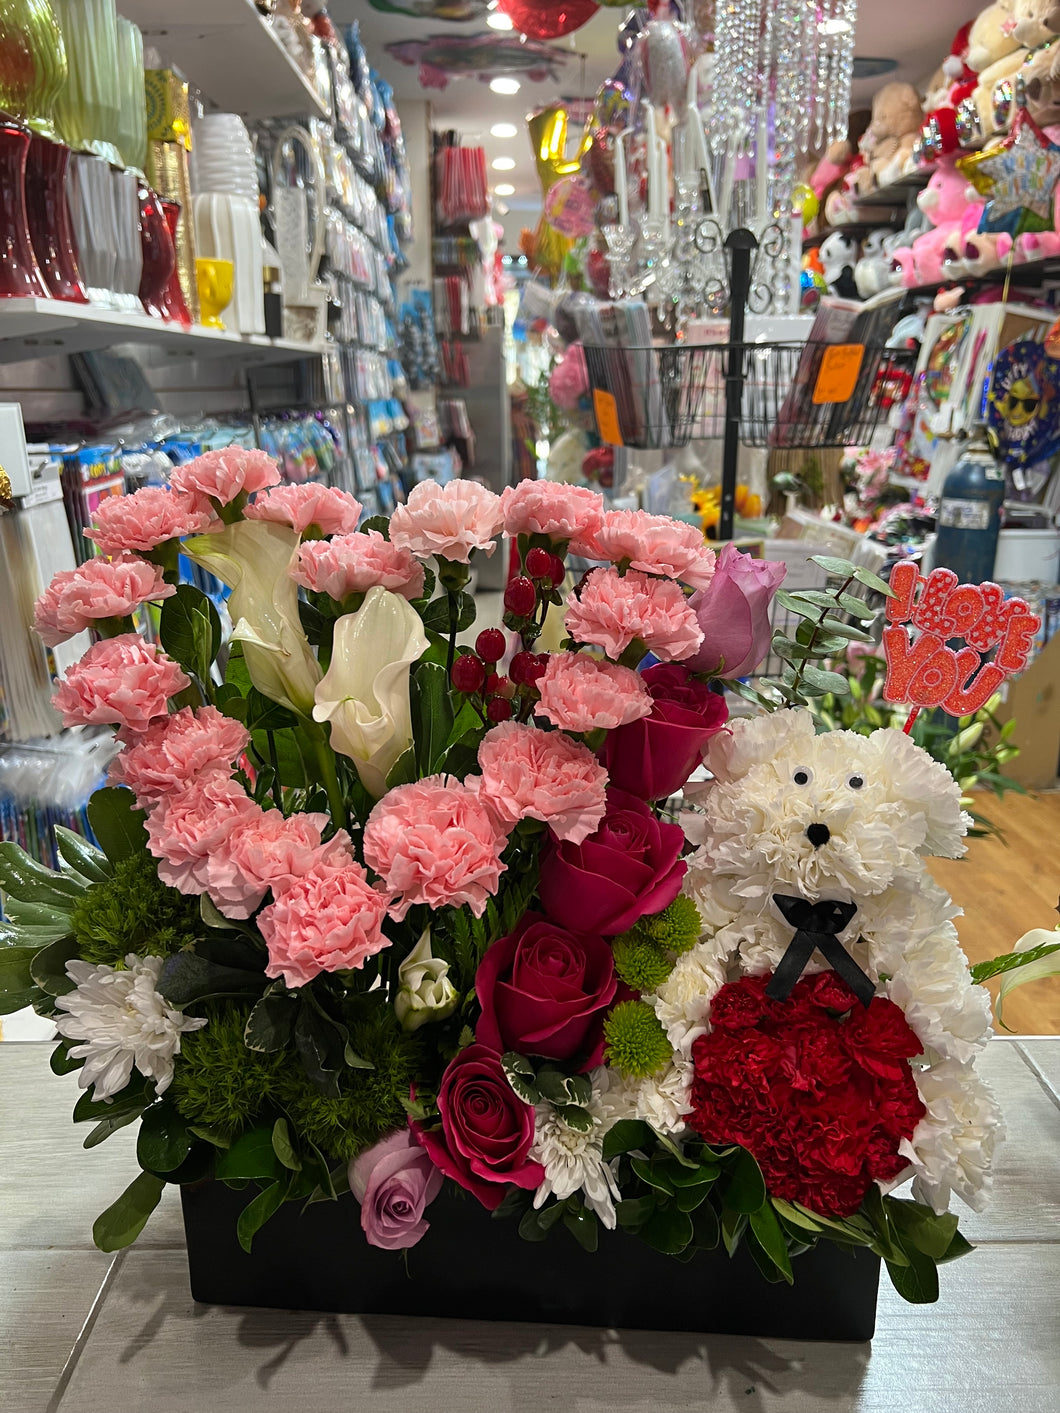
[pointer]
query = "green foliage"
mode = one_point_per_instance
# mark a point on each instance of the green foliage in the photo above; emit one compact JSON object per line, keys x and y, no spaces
{"x":125,"y":1219}
{"x":636,"y":1042}
{"x":133,"y":911}
{"x":640,"y":962}
{"x":190,"y":630}
{"x":220,"y":1085}
{"x":676,"y":928}
{"x":117,"y":823}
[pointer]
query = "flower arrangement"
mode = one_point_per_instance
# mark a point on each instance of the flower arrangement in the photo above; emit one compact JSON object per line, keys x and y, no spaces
{"x":373,"y":910}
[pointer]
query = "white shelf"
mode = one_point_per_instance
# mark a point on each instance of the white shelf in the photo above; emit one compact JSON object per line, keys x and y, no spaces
{"x":43,"y":328}
{"x":227,"y":50}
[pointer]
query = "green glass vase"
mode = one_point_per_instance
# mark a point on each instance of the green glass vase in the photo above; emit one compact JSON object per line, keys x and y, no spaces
{"x":33,"y":67}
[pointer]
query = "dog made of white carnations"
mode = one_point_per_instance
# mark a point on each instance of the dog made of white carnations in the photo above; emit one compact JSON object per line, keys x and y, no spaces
{"x":851,"y":819}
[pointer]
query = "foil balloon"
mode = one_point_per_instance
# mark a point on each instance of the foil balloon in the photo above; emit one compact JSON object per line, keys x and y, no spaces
{"x":665,"y":57}
{"x":570,"y":207}
{"x":631,"y":28}
{"x":804,"y":202}
{"x":598,"y":164}
{"x":547,"y":19}
{"x":549,"y":130}
{"x":1018,"y":177}
{"x":549,"y":249}
{"x":1023,"y":408}
{"x":612,"y":104}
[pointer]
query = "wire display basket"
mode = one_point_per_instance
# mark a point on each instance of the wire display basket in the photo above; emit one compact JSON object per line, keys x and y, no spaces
{"x":778,"y":394}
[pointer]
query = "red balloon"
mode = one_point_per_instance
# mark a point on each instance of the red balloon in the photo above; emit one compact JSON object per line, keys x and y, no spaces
{"x":548,"y":19}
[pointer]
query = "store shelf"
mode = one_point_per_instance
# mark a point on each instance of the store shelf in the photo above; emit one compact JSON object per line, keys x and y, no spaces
{"x":43,"y":328}
{"x":895,"y":193}
{"x":230,"y":53}
{"x":1033,"y":274}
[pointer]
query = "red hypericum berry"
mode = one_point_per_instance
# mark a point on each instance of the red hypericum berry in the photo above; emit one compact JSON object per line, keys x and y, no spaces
{"x":491,"y":684}
{"x":490,"y":644}
{"x":498,"y":709}
{"x":539,"y":563}
{"x":467,"y":673}
{"x":505,"y":688}
{"x":520,"y":663}
{"x":520,"y":597}
{"x":557,"y":570}
{"x":537,"y":668}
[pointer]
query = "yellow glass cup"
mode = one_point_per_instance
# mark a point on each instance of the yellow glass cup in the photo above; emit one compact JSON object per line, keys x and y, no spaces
{"x":216,"y":281}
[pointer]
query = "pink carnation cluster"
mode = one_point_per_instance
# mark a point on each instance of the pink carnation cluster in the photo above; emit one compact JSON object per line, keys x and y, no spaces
{"x":615,"y":610}
{"x":435,"y":842}
{"x":449,"y":521}
{"x":77,"y":599}
{"x":324,"y":922}
{"x":528,"y":773}
{"x":654,"y":544}
{"x":272,"y":852}
{"x":121,"y":681}
{"x":146,"y":519}
{"x":581,"y":693}
{"x":551,"y":508}
{"x":329,"y":511}
{"x":221,"y":476}
{"x":179,"y":750}
{"x":353,"y":564}
{"x":188,"y":828}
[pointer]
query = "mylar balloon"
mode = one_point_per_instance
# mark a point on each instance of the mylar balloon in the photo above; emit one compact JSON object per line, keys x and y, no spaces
{"x":570,"y":207}
{"x":1024,"y":404}
{"x":611,"y":108}
{"x":547,"y":19}
{"x":549,"y":129}
{"x":665,"y":57}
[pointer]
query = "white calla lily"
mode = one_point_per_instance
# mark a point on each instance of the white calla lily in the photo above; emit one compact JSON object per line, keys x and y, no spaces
{"x":254,"y":558}
{"x":365,"y":692}
{"x":425,"y":991}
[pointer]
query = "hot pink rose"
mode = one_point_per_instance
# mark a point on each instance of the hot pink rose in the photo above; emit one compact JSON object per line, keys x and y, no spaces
{"x":449,"y":521}
{"x":435,"y":842}
{"x":654,"y":544}
{"x":394,"y":1181}
{"x":581,"y":693}
{"x":146,"y":519}
{"x":272,"y":852}
{"x":353,"y":564}
{"x":487,"y":1130}
{"x":179,"y":750}
{"x":219,"y":477}
{"x":654,"y":757}
{"x":121,"y":681}
{"x":615,"y":610}
{"x":189,"y":832}
{"x":325,"y":922}
{"x":734,"y":614}
{"x":528,"y":773}
{"x":77,"y":599}
{"x":630,"y":867}
{"x":544,"y":991}
{"x":323,"y":509}
{"x":550,"y":508}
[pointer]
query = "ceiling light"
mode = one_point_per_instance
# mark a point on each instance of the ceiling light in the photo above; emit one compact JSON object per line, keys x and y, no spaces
{"x":835,"y":26}
{"x":499,"y":20}
{"x":503,"y":164}
{"x":504,"y":189}
{"x":504,"y":130}
{"x":505,"y":85}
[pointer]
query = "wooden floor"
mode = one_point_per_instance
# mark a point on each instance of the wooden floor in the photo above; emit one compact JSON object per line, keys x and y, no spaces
{"x":1005,"y":890}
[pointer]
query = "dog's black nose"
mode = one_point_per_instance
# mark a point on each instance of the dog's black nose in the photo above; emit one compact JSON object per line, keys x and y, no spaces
{"x":818,"y":834}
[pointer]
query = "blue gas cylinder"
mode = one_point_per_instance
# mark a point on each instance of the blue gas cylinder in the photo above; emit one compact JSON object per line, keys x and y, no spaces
{"x":969,"y":517}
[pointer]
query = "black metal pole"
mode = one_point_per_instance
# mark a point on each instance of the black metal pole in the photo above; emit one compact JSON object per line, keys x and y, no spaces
{"x":741,"y":243}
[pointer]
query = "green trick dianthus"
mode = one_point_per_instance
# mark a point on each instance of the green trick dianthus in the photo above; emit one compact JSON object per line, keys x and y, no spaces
{"x":221,"y":1085}
{"x":676,"y":928}
{"x":640,"y":962}
{"x":133,"y":911}
{"x":636,"y":1042}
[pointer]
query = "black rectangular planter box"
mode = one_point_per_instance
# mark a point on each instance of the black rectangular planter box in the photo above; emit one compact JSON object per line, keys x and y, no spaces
{"x":472,"y":1267}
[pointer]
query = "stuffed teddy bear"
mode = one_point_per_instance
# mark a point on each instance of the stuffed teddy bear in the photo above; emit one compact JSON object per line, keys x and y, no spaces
{"x":872,"y":273}
{"x":887,"y":144}
{"x":945,"y":203}
{"x":1041,"y":86}
{"x":1037,"y":22}
{"x":995,"y":54}
{"x":793,"y":819}
{"x":838,"y":255}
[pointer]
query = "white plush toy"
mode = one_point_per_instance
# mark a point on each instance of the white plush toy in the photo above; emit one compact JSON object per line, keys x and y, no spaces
{"x":847,"y":818}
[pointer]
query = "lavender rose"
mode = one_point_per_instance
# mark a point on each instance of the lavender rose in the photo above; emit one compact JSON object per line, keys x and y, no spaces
{"x":394,"y":1181}
{"x":733,"y":612}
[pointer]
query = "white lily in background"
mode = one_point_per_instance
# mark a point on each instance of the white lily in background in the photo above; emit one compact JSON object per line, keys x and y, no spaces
{"x":425,"y":991}
{"x":254,"y":558}
{"x":365,"y":693}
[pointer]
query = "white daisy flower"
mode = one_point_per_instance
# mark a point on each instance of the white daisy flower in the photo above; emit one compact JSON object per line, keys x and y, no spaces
{"x":574,"y":1161}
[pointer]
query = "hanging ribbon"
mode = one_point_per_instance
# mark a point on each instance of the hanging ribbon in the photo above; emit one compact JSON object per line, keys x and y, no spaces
{"x":817,"y":927}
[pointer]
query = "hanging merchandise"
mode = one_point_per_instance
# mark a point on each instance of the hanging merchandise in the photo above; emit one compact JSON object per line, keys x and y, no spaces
{"x":1018,"y":178}
{"x":1023,"y":405}
{"x":547,"y":19}
{"x":486,"y":56}
{"x":462,"y":184}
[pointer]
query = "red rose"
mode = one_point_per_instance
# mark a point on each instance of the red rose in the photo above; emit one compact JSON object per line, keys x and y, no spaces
{"x":486,"y":1129}
{"x":630,"y":867}
{"x":654,"y":756}
{"x":545,"y":992}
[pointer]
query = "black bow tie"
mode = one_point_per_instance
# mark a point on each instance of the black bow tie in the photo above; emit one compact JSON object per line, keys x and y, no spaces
{"x":817,"y":927}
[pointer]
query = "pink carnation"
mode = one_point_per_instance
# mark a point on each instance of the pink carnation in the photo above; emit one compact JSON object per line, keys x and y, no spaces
{"x":179,"y":750}
{"x":221,"y":476}
{"x":353,"y":564}
{"x":189,"y":832}
{"x":325,"y":922}
{"x":616,"y":610}
{"x":121,"y":681}
{"x":528,"y":773}
{"x":269,"y":851}
{"x":581,"y":693}
{"x":654,"y":544}
{"x":550,"y":508}
{"x":77,"y":599}
{"x":449,"y":521}
{"x":146,"y":519}
{"x":435,"y":842}
{"x":330,"y":511}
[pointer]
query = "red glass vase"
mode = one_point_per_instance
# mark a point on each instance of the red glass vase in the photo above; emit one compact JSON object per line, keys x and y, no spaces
{"x":19,"y":276}
{"x":175,"y":309}
{"x":160,"y":256}
{"x":50,"y":228}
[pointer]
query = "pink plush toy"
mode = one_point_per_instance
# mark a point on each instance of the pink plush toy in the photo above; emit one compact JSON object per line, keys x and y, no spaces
{"x":945,"y":203}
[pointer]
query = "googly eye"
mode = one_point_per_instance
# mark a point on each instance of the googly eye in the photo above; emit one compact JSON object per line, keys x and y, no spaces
{"x":802,"y":775}
{"x":856,"y":782}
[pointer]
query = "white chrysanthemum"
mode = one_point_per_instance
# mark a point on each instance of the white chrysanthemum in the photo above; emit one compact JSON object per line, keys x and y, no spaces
{"x":122,"y":1021}
{"x":661,"y":1100}
{"x":682,"y":1002}
{"x":574,"y":1161}
{"x":953,"y":1145}
{"x":948,"y":1012}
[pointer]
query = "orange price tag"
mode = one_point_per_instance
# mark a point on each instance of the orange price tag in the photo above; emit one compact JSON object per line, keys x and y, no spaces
{"x":837,"y":376}
{"x":606,"y":409}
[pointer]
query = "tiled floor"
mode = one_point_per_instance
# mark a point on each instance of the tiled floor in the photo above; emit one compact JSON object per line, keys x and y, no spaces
{"x":85,"y":1333}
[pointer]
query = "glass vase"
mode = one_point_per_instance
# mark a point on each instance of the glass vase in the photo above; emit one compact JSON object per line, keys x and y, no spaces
{"x":88,"y":110}
{"x":50,"y":228}
{"x":33,"y":67}
{"x":132,"y":124}
{"x":160,"y":256}
{"x":176,"y":309}
{"x":19,"y":276}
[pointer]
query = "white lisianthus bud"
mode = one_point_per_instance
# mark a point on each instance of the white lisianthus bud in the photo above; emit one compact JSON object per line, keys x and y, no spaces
{"x":425,"y":993}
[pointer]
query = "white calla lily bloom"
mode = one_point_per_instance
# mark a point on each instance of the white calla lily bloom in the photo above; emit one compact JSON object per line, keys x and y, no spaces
{"x":426,"y":993}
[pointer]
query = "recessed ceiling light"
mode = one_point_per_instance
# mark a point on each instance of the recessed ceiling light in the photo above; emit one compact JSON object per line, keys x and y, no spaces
{"x":499,"y":20}
{"x":504,"y":189}
{"x":503,"y":164}
{"x":504,"y":130}
{"x":505,"y":85}
{"x":835,"y":26}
